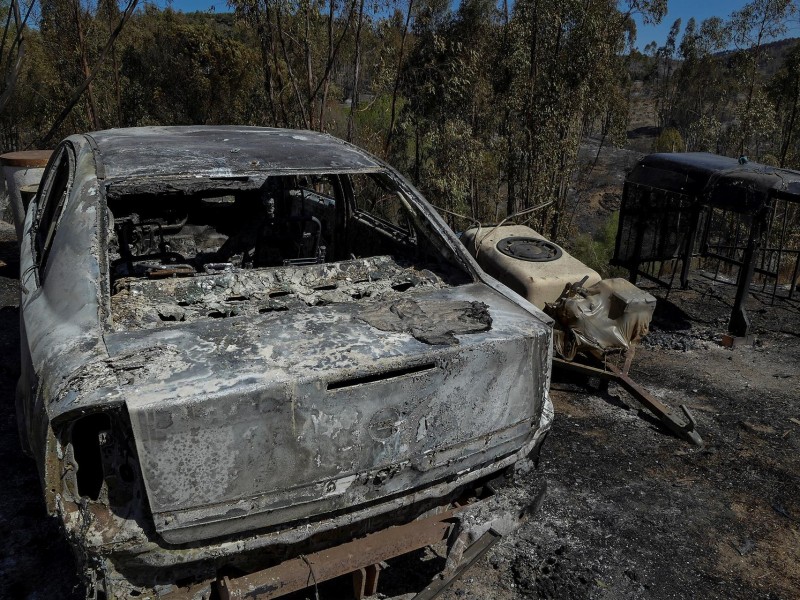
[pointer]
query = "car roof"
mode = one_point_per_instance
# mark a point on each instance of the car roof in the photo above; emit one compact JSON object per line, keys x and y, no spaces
{"x":222,"y":151}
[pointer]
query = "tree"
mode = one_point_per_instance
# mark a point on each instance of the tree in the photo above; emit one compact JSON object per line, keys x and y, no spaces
{"x":703,"y":80}
{"x":14,"y":37}
{"x":88,"y":74}
{"x":217,"y":86}
{"x":665,"y":87}
{"x":669,"y":140}
{"x":756,"y":23}
{"x":784,"y":89}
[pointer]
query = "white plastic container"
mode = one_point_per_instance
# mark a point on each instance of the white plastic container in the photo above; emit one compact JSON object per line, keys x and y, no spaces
{"x":526,"y":262}
{"x":21,"y":170}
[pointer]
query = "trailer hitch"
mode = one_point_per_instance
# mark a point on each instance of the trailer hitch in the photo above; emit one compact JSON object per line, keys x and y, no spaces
{"x":683,"y":427}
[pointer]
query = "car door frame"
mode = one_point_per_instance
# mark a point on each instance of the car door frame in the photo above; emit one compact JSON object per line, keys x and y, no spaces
{"x":29,"y":403}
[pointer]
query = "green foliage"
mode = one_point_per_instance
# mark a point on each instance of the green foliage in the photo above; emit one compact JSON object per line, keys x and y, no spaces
{"x":218,"y":84}
{"x":723,"y":101}
{"x":784,"y":92}
{"x":596,"y":250}
{"x":669,"y":140}
{"x":373,"y":122}
{"x":483,"y":105}
{"x":703,"y":134}
{"x":769,"y":159}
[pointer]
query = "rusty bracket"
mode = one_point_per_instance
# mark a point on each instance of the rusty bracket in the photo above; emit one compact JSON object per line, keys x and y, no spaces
{"x":360,"y":557}
{"x":170,"y":271}
{"x":365,"y":581}
{"x":363,"y":558}
{"x":311,"y":569}
{"x":684,"y":428}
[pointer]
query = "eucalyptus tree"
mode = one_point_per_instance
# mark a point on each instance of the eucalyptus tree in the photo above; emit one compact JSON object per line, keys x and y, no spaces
{"x":665,"y":89}
{"x":568,"y":68}
{"x":448,"y":116}
{"x":12,"y":46}
{"x":755,"y":24}
{"x":704,"y":82}
{"x":301,"y":45}
{"x":784,"y":90}
{"x":71,"y":36}
{"x":180,"y":70}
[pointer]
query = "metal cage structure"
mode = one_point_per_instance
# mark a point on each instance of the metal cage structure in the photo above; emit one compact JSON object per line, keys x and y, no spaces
{"x":739,"y":220}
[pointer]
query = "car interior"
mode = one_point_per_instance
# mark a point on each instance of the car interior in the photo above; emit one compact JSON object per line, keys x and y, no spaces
{"x":285,"y":235}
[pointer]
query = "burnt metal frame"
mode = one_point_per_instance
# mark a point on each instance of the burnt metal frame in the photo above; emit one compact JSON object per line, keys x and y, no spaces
{"x":684,"y":428}
{"x":762,"y":240}
{"x":739,"y":322}
{"x":363,"y":558}
{"x":701,"y":212}
{"x":687,"y":242}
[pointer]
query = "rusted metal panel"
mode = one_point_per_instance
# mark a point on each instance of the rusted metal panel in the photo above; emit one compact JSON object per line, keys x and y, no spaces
{"x":682,"y":426}
{"x":26,"y":158}
{"x":302,"y":572}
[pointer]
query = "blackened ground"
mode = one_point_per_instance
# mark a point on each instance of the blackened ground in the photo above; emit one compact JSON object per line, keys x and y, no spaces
{"x":631,"y":512}
{"x":35,"y":560}
{"x":635,"y":513}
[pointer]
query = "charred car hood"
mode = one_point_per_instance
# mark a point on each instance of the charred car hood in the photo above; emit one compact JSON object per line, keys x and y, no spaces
{"x":243,"y":423}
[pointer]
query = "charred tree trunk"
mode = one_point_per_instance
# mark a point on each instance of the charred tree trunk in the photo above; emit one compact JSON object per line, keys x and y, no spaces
{"x":417,"y":156}
{"x":78,"y":92}
{"x":326,"y":80}
{"x":270,"y":26}
{"x":388,"y":146}
{"x":787,"y":142}
{"x":356,"y":74}
{"x":91,"y":108}
{"x":13,"y":65}
{"x":263,"y":30}
{"x":333,"y":52}
{"x":292,"y":79}
{"x":312,"y":96}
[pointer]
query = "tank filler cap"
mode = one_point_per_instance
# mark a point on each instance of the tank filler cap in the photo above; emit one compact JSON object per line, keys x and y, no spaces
{"x":529,"y":249}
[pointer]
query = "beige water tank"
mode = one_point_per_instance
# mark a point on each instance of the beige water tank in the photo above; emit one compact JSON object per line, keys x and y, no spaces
{"x":526,"y":261}
{"x":21,"y":169}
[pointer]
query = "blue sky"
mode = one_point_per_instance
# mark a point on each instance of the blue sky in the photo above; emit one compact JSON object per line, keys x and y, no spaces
{"x":683,"y":9}
{"x":700,"y":10}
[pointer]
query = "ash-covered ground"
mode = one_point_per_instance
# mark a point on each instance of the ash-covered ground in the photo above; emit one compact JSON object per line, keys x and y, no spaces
{"x":635,"y":513}
{"x":631,"y":512}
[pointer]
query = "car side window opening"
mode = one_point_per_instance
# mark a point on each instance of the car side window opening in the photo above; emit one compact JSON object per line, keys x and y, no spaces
{"x":375,"y":199}
{"x":51,"y":205}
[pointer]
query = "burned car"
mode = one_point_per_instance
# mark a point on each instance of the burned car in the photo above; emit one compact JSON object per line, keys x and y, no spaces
{"x":242,"y":345}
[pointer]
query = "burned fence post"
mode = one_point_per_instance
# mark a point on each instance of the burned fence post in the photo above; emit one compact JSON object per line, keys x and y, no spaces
{"x":739,"y":324}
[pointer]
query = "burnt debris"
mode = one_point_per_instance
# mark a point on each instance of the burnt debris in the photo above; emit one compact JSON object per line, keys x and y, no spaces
{"x":435,"y":323}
